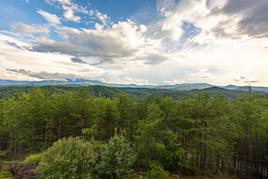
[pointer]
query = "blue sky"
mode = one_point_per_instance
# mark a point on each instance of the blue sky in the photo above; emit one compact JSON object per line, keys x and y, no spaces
{"x":25,"y":11}
{"x":137,"y":41}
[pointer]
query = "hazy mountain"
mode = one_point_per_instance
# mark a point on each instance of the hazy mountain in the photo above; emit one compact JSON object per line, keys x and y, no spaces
{"x":231,"y":87}
{"x":247,"y":88}
{"x":186,"y":86}
{"x":178,"y":87}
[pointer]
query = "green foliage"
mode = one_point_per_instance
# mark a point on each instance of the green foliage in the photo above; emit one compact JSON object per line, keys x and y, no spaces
{"x":5,"y":175}
{"x":3,"y":154}
{"x":127,"y":121}
{"x":68,"y":158}
{"x":33,"y":159}
{"x":155,"y":141}
{"x":157,"y":171}
{"x":116,"y":159}
{"x":106,"y":120}
{"x":172,"y":155}
{"x":200,"y":134}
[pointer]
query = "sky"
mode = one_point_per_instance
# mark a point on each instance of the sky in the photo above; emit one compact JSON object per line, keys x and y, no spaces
{"x":219,"y":42}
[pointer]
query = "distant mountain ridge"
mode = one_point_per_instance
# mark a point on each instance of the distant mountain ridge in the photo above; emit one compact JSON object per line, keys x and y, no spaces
{"x":176,"y":87}
{"x":186,"y":86}
{"x":246,"y":88}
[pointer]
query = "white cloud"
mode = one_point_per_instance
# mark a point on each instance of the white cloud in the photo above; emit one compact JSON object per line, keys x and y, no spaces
{"x":51,"y":18}
{"x":72,"y":9}
{"x":143,"y":28}
{"x":102,"y":17}
{"x":65,"y":2}
{"x":29,"y":29}
{"x":69,"y":14}
{"x":157,"y":53}
{"x":35,"y":64}
{"x":165,"y":6}
{"x":122,"y":42}
{"x":193,"y":41}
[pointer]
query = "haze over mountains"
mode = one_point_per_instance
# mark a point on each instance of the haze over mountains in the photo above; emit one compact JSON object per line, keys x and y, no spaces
{"x":176,"y":87}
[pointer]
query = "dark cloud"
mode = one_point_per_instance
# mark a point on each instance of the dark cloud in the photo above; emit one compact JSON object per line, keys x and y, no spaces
{"x":13,"y":44}
{"x":154,"y":59}
{"x":236,"y":6}
{"x":103,"y":61}
{"x":119,"y":43}
{"x":244,"y":79}
{"x":78,"y":60}
{"x":45,"y":75}
{"x":255,"y":15}
{"x":86,"y":44}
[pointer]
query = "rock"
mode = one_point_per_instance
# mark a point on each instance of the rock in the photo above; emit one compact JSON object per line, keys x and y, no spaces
{"x":23,"y":171}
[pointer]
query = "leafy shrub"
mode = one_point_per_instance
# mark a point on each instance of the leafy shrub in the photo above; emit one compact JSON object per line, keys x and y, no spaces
{"x":157,"y":171}
{"x":116,"y":159}
{"x":34,"y":159}
{"x":68,"y":158}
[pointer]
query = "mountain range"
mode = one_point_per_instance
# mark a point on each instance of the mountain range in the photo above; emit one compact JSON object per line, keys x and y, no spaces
{"x":176,"y":87}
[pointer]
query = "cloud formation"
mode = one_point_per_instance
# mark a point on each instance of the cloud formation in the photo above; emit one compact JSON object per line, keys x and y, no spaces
{"x":244,"y":80}
{"x":254,"y":15}
{"x":72,"y":9}
{"x":45,"y":75}
{"x":69,"y":9}
{"x":78,"y":60}
{"x":29,"y":29}
{"x":51,"y":18}
{"x":214,"y":41}
{"x":123,"y":41}
{"x":16,"y":54}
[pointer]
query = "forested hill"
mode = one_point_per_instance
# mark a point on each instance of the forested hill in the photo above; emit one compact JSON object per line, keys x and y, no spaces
{"x":114,"y":91}
{"x":109,"y":138}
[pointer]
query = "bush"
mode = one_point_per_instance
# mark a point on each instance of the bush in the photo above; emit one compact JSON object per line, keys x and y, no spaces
{"x":68,"y":158}
{"x":33,"y":159}
{"x":157,"y":171}
{"x":116,"y":159}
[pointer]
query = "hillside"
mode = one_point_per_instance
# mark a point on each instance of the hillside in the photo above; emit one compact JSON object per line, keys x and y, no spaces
{"x":184,"y":87}
{"x":141,"y":131}
{"x":98,"y":90}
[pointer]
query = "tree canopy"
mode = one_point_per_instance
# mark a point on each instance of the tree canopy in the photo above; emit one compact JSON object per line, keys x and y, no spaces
{"x":206,"y":134}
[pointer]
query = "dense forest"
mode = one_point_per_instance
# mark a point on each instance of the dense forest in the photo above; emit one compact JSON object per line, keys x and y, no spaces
{"x":120,"y":135}
{"x":134,"y":93}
